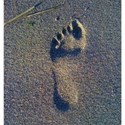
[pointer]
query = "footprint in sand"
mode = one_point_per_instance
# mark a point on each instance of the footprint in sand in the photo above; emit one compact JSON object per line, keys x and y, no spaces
{"x":64,"y":47}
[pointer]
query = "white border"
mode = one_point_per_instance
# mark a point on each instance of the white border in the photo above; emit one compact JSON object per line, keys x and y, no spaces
{"x":1,"y":63}
{"x":123,"y":62}
{"x":2,"y":60}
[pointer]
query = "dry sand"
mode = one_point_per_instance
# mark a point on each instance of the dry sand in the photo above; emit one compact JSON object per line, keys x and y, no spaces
{"x":29,"y":83}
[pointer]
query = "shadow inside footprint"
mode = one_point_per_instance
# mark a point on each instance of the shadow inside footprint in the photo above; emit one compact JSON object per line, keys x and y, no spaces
{"x":61,"y":52}
{"x":67,"y":43}
{"x":58,"y":101}
{"x":77,"y":31}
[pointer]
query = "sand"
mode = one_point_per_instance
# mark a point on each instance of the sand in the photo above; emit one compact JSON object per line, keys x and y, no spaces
{"x":95,"y":72}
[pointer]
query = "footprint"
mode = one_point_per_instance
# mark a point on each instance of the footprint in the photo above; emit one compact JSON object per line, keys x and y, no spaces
{"x":64,"y":47}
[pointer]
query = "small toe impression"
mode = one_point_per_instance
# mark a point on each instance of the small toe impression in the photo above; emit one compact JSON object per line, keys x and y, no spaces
{"x":55,"y":43}
{"x":54,"y":47}
{"x":59,"y":36}
{"x":64,"y":32}
{"x":77,"y":31}
{"x":69,"y":29}
{"x":56,"y":51}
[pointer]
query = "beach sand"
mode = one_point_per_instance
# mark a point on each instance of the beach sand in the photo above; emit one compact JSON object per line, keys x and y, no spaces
{"x":30,"y":74}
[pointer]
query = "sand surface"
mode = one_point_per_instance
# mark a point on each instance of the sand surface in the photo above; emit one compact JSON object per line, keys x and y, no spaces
{"x":29,"y":83}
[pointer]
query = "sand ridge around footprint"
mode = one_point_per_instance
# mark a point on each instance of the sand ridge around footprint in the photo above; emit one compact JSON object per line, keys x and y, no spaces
{"x":67,"y":43}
